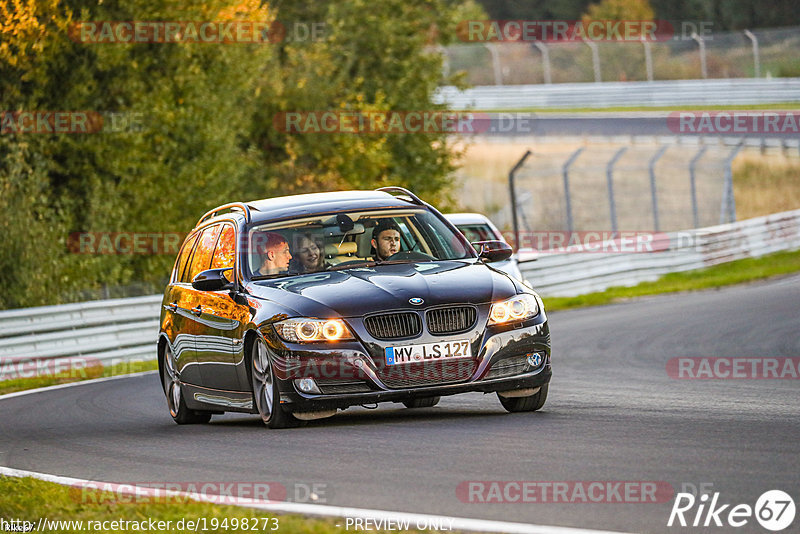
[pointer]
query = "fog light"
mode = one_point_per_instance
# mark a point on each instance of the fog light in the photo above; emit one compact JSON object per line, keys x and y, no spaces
{"x":307,"y":385}
{"x":535,"y":359}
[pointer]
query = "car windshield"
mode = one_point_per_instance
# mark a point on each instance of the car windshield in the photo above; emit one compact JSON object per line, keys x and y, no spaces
{"x":353,"y":239}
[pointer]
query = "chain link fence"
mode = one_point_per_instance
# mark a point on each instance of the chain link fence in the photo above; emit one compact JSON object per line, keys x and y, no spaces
{"x":612,"y":187}
{"x":760,"y":53}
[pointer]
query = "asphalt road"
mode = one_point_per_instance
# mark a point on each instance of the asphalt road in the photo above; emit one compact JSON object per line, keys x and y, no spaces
{"x":613,"y":414}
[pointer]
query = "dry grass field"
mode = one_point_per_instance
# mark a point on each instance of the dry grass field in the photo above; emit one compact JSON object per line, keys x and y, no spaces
{"x":763,"y":183}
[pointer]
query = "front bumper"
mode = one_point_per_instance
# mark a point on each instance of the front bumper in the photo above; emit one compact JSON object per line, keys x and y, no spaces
{"x":509,"y":348}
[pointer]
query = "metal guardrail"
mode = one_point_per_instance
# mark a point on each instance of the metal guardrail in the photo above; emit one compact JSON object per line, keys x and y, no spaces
{"x":571,"y":274}
{"x":709,"y":92}
{"x":102,"y":332}
{"x":125,"y":329}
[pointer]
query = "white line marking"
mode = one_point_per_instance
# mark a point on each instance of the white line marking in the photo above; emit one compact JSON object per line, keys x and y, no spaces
{"x":457,"y":523}
{"x":70,"y":384}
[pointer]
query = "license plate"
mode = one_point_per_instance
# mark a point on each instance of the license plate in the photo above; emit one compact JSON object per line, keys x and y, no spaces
{"x":428,"y":352}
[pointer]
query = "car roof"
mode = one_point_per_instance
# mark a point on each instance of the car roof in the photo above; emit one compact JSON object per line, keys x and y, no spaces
{"x":278,"y":208}
{"x":467,"y":218}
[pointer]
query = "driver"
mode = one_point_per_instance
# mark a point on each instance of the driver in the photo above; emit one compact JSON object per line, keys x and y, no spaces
{"x":385,"y":239}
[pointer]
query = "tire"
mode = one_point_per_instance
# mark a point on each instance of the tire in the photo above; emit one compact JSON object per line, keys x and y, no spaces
{"x":171,"y":381}
{"x":525,"y":404}
{"x":425,"y":402}
{"x":265,"y":389}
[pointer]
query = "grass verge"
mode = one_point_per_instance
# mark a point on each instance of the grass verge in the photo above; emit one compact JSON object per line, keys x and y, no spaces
{"x":726,"y":274}
{"x":69,"y":375}
{"x":29,"y":499}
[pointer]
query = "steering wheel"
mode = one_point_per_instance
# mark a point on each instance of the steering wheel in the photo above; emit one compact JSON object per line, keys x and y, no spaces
{"x":410,"y":255}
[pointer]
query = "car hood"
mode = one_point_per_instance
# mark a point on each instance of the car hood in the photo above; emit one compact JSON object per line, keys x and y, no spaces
{"x":359,"y":291}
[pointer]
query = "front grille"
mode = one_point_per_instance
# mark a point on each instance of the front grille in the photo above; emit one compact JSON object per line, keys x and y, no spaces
{"x":427,"y":374}
{"x":330,"y":387}
{"x":393,"y":325}
{"x":451,"y":320}
{"x":515,"y":365}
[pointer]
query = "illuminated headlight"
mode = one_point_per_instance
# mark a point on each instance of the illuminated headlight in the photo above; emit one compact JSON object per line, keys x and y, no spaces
{"x":515,"y":309}
{"x":304,"y":330}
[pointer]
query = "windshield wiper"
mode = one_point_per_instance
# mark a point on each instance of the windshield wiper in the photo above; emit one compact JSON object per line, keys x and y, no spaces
{"x":269,"y":276}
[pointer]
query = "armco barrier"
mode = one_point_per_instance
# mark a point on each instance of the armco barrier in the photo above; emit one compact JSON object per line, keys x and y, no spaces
{"x":571,"y":274}
{"x":125,"y":329}
{"x":102,"y":331}
{"x":730,"y":91}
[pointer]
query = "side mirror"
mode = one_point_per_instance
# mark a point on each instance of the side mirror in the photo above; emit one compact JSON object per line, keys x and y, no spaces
{"x":491,"y":251}
{"x":212,"y":280}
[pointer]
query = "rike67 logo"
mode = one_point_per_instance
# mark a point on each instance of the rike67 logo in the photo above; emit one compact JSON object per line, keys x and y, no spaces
{"x":774,"y":510}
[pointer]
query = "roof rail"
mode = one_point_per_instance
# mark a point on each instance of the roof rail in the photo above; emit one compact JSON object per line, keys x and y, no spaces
{"x":403,"y":191}
{"x":241,"y":206}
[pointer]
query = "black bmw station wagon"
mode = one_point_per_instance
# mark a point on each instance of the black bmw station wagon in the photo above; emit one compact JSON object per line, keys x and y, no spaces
{"x":295,"y":307}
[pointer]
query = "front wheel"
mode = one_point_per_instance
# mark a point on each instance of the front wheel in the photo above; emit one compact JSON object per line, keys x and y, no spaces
{"x":266,"y":395}
{"x":530,"y":403}
{"x":171,"y":380}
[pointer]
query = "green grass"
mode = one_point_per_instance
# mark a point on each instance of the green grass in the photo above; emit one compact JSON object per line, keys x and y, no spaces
{"x":19,"y":384}
{"x":29,"y":499}
{"x":734,"y":107}
{"x":735,"y":272}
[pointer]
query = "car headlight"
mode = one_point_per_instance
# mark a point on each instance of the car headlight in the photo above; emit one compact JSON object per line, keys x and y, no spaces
{"x":305,"y":330}
{"x":517,"y":308}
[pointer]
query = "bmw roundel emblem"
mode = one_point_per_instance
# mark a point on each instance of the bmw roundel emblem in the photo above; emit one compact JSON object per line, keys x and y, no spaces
{"x":416,"y":301}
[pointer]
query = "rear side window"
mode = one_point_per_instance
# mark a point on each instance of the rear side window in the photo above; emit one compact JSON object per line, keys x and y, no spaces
{"x":225,"y":252}
{"x":201,"y":259}
{"x":183,"y":257}
{"x":477,"y":232}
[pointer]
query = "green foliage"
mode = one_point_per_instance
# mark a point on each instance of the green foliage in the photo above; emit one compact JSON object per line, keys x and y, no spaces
{"x":620,"y":10}
{"x":204,"y":130}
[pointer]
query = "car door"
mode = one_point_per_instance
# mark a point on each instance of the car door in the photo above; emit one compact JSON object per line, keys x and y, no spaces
{"x":217,"y":321}
{"x":220,"y":350}
{"x":177,"y":321}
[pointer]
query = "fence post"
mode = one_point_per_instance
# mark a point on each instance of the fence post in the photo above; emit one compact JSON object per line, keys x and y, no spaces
{"x":595,"y":59}
{"x":727,"y":211}
{"x":445,"y":60}
{"x":565,"y":175}
{"x":702,"y":44}
{"x":512,"y":189}
{"x":651,"y":166}
{"x":756,"y":58}
{"x":545,"y":60}
{"x":610,"y":182}
{"x":692,"y":165}
{"x":648,"y":58}
{"x":498,"y":73}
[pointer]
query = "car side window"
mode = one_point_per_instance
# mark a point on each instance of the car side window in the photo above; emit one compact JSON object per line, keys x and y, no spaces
{"x":183,"y":258}
{"x":225,"y":251}
{"x":201,"y":259}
